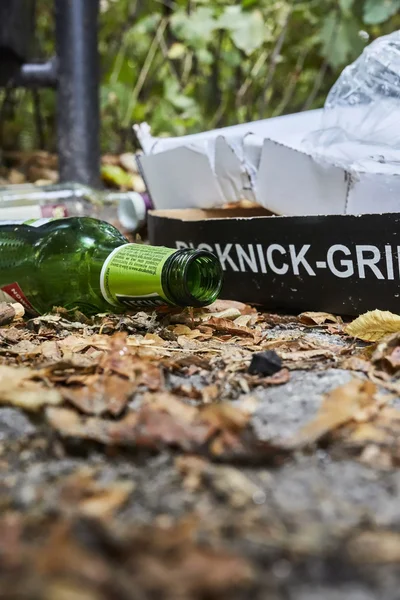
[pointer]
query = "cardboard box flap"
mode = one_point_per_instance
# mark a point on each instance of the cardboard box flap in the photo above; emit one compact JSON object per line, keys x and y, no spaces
{"x":294,"y":183}
{"x":180,"y":178}
{"x":223,"y":163}
{"x":230,"y":172}
{"x":371,"y":193}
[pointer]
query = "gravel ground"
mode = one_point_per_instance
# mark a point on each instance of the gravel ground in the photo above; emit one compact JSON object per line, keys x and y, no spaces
{"x":294,"y":523}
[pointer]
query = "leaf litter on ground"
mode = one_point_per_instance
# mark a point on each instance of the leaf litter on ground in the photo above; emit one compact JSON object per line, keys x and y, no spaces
{"x":113,"y":387}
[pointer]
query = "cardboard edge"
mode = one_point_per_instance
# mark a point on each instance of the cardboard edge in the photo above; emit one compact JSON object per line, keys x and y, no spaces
{"x":198,"y":214}
{"x":191,"y":215}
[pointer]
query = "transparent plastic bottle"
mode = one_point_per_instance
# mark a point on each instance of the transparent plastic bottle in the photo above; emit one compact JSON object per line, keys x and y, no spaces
{"x":25,"y":202}
{"x":84,"y":263}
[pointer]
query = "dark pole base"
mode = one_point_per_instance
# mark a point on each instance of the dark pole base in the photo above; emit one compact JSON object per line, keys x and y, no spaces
{"x":78,"y":91}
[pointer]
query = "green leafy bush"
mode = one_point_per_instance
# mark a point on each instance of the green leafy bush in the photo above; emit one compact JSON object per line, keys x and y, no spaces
{"x":191,"y":65}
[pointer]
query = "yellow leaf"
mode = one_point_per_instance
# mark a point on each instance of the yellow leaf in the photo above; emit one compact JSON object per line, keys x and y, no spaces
{"x":374,"y":325}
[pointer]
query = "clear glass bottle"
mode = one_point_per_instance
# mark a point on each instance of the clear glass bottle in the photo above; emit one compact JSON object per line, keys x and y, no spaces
{"x":28,"y":201}
{"x":84,"y":263}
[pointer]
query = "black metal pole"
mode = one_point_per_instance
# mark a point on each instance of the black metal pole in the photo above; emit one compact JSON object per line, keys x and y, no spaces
{"x":78,"y":90}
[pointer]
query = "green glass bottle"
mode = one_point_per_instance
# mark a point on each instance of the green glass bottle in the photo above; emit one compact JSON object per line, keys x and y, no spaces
{"x":84,"y":263}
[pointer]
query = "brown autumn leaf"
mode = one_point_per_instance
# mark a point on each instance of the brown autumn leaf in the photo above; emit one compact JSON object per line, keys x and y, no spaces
{"x":146,"y":428}
{"x":228,"y":313}
{"x":272,"y":319}
{"x":25,"y":349}
{"x":18,"y":388}
{"x":378,"y":441}
{"x":162,"y":420}
{"x":386,"y":354}
{"x":153,"y":339}
{"x":100,"y":394}
{"x":165,"y":402}
{"x":229,"y":483}
{"x":355,"y":363}
{"x":226,"y":424}
{"x":245,"y":320}
{"x":374,"y":325}
{"x":394,"y":359}
{"x":226,"y":326}
{"x":210,"y":393}
{"x":221,"y":305}
{"x":12,"y":335}
{"x":81,"y":493}
{"x":153,"y":560}
{"x":223,"y":416}
{"x":318,"y":318}
{"x":306,"y":355}
{"x":179,"y":330}
{"x":120,"y":372}
{"x":371,"y":547}
{"x":279,"y":378}
{"x":355,"y":400}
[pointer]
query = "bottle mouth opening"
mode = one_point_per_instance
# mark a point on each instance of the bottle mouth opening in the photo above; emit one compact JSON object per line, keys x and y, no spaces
{"x":203,"y":279}
{"x":193,"y":278}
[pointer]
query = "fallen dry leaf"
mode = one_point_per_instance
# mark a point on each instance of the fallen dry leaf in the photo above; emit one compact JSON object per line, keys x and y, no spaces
{"x":84,"y":558}
{"x":306,"y":355}
{"x":244,"y":320}
{"x":278,"y":378}
{"x":100,"y":394}
{"x":228,"y":313}
{"x":162,"y":420}
{"x":226,"y":326}
{"x":119,"y":373}
{"x":377,"y":441}
{"x":375,"y":547}
{"x":228,"y":483}
{"x":374,"y":325}
{"x":220,"y":305}
{"x":18,"y":388}
{"x":224,"y":416}
{"x":318,"y":318}
{"x":81,"y":493}
{"x":386,"y":354}
{"x":355,"y":400}
{"x":147,"y":428}
{"x":354,"y":363}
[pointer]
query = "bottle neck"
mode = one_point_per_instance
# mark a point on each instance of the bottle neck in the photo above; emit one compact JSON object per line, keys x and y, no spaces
{"x":192,"y":278}
{"x":140,"y":275}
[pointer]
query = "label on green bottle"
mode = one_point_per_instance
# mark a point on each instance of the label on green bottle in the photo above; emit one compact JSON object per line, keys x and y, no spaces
{"x":131,"y":275}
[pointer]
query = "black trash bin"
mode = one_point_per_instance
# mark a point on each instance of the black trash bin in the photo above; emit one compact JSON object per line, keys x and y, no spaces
{"x":16,"y":36}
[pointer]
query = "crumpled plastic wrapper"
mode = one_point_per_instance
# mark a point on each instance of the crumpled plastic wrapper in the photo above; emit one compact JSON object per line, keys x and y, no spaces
{"x":361,"y":121}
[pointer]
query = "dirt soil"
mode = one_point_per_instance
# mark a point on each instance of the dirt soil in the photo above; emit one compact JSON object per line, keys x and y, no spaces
{"x":139,"y":458}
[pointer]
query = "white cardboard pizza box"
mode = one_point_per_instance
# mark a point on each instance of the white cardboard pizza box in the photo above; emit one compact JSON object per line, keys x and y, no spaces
{"x":267,"y":162}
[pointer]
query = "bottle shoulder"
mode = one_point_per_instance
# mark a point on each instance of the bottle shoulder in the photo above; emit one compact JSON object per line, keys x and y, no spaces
{"x":84,"y":225}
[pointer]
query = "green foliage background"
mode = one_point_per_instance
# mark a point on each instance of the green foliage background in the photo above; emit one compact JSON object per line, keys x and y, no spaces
{"x":191,"y":65}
